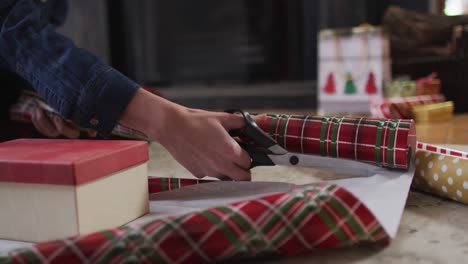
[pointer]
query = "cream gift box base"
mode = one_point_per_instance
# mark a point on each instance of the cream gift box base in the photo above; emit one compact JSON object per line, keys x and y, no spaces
{"x":41,"y":212}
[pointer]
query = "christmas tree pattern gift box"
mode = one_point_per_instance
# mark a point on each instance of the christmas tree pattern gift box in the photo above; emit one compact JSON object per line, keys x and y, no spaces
{"x":53,"y":188}
{"x":354,"y":64}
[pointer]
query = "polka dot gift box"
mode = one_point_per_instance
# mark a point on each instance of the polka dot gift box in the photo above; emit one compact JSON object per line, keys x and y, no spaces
{"x":442,"y":171}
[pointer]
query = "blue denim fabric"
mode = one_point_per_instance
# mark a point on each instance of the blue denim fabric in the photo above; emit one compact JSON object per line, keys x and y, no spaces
{"x":72,"y":80}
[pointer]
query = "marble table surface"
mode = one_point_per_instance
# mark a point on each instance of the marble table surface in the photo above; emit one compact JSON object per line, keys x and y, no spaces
{"x":432,"y":229}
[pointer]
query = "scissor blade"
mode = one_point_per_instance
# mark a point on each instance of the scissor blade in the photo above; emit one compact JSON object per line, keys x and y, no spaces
{"x":342,"y":166}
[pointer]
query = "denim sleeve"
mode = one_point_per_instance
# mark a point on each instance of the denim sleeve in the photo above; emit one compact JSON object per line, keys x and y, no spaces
{"x":72,"y":80}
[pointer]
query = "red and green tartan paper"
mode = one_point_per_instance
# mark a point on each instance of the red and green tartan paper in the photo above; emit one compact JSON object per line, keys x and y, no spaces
{"x":284,"y":224}
{"x":384,"y":142}
{"x":29,"y":101}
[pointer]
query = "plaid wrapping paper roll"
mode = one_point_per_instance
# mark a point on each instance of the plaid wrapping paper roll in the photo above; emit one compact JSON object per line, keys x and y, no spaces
{"x":442,"y":171}
{"x":384,"y":142}
{"x":286,"y":224}
{"x":28,"y":101}
{"x":401,"y":107}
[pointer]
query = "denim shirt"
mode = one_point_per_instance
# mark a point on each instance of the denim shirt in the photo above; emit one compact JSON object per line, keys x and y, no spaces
{"x":72,"y":80}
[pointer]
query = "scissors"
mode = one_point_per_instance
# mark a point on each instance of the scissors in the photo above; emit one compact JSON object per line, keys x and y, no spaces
{"x":265,"y":151}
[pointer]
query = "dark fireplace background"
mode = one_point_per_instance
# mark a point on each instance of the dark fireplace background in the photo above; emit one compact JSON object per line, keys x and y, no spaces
{"x":236,"y":52}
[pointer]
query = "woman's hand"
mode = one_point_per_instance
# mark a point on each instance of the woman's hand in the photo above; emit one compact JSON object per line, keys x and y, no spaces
{"x":200,"y":142}
{"x":55,"y":126}
{"x":197,"y":139}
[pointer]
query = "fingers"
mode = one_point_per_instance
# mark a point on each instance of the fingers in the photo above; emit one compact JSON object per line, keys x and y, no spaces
{"x":238,"y":174}
{"x":53,"y":127}
{"x":230,"y":173}
{"x":236,"y":121}
{"x":232,"y":121}
{"x":223,"y":170}
{"x":92,"y":133}
{"x":65,"y":128}
{"x":224,"y":178}
{"x":43,"y":124}
{"x":237,"y":166}
{"x":239,"y":169}
{"x":259,"y":118}
{"x":239,"y":156}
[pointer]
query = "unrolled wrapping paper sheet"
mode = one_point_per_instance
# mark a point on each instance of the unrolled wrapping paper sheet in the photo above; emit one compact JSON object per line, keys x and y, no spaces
{"x":217,"y":221}
{"x":383,"y":193}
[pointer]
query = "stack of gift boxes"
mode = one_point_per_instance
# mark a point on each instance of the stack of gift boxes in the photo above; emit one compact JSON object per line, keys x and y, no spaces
{"x":420,"y":100}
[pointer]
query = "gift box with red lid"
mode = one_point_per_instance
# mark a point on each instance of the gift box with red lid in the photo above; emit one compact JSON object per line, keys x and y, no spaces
{"x":55,"y":188}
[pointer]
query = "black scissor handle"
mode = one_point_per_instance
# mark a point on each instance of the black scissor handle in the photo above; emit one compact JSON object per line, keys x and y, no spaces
{"x":259,"y":156}
{"x":251,"y":130}
{"x":253,"y":133}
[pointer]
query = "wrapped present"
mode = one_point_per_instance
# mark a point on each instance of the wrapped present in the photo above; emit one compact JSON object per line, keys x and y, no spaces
{"x":438,"y":112}
{"x":401,"y":107}
{"x":353,"y":66}
{"x":400,"y":88}
{"x":429,"y":87}
{"x":442,"y":171}
{"x":51,"y":188}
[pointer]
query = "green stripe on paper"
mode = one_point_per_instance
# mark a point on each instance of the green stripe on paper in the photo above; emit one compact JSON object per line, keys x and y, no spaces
{"x":378,"y":141}
{"x":274,"y":119}
{"x":349,"y":216}
{"x":163,"y":228}
{"x":332,"y":225}
{"x":164,"y":184}
{"x":238,"y":218}
{"x":327,"y":219}
{"x":296,"y":220}
{"x":224,"y":228}
{"x":316,"y":118}
{"x":323,"y":132}
{"x":114,"y":249}
{"x":336,"y":125}
{"x":391,"y":143}
{"x":109,"y":235}
{"x":282,"y":130}
{"x":273,"y":219}
{"x":175,"y":183}
{"x":298,"y":117}
{"x":259,"y":244}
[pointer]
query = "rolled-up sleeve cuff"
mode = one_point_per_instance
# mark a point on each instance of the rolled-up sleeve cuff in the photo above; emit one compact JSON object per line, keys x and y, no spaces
{"x":105,"y":100}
